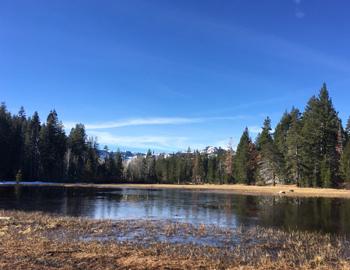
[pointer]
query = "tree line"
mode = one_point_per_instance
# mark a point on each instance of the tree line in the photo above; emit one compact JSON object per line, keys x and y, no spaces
{"x":310,"y":149}
{"x":32,"y":150}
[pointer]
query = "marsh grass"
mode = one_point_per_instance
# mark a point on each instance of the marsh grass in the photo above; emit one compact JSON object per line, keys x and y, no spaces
{"x":40,"y":241}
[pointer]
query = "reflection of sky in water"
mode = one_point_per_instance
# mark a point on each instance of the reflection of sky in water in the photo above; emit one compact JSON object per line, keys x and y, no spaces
{"x":228,"y":210}
{"x":161,"y":204}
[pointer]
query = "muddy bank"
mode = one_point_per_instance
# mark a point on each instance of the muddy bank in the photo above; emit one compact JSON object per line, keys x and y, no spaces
{"x":39,"y":241}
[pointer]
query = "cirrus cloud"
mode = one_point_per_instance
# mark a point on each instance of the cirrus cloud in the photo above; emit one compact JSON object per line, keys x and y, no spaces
{"x":151,"y":121}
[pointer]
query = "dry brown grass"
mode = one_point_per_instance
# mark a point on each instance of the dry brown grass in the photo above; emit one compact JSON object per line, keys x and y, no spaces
{"x":40,"y":241}
{"x":290,"y":190}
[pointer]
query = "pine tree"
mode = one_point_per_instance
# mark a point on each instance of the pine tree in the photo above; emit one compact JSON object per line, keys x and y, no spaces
{"x":347,"y":129}
{"x":161,"y":169}
{"x":292,"y":159}
{"x":92,"y":160}
{"x":345,"y":163}
{"x":188,"y":167}
{"x":320,"y":156}
{"x":19,"y":125}
{"x":119,"y":166}
{"x":52,"y":147}
{"x":198,"y":168}
{"x":244,"y":167}
{"x":212,"y":168}
{"x":269,"y":160}
{"x":111,"y":167}
{"x":229,"y":164}
{"x":31,"y":148}
{"x":5,"y":143}
{"x":150,"y":168}
{"x":77,"y":152}
{"x":179,"y":168}
{"x":345,"y":155}
{"x":280,"y":141}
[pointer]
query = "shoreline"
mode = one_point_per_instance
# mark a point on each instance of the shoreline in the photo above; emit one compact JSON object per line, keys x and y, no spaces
{"x":33,"y":240}
{"x":278,"y":190}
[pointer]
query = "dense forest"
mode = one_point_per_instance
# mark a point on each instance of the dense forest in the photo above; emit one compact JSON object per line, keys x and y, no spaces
{"x":309,"y":148}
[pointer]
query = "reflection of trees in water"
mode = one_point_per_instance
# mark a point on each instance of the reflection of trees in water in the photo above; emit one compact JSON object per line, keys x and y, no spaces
{"x":344,"y":215}
{"x":86,"y":202}
{"x":18,"y":189}
{"x":317,"y":214}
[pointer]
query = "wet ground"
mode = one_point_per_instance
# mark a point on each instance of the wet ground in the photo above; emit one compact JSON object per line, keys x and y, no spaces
{"x":41,"y":241}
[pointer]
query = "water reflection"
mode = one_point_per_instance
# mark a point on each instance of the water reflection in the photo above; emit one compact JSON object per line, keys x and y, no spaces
{"x":316,"y":214}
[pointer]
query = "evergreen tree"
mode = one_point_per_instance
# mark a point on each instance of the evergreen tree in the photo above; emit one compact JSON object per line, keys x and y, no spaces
{"x":269,"y":159}
{"x":52,"y":147}
{"x":292,"y":159}
{"x":111,"y":168}
{"x":281,"y":130}
{"x":212,"y":168}
{"x":320,"y":155}
{"x":347,"y":129}
{"x":179,"y":168}
{"x":345,"y":163}
{"x":19,"y":124}
{"x":229,"y":165}
{"x":161,"y":171}
{"x":119,"y":166}
{"x":92,"y":160}
{"x":244,"y":162}
{"x":345,"y":155}
{"x":31,"y":148}
{"x":280,"y":141}
{"x":77,"y":152}
{"x":5,"y":143}
{"x":150,"y":167}
{"x":198,"y":168}
{"x":188,"y":166}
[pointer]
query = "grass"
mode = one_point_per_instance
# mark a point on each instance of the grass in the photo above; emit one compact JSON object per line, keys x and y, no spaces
{"x":40,"y":241}
{"x":278,"y":190}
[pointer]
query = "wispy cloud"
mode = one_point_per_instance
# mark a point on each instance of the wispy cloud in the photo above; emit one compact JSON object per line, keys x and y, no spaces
{"x":136,"y":122}
{"x":157,"y":143}
{"x":154,"y":142}
{"x":151,"y":121}
{"x":162,"y":143}
{"x":298,"y":12}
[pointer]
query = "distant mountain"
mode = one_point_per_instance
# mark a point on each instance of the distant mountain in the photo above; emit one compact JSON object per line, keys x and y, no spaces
{"x":210,"y":150}
{"x":128,"y":155}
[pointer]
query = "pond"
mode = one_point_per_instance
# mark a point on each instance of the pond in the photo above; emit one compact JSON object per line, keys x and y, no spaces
{"x":195,"y":207}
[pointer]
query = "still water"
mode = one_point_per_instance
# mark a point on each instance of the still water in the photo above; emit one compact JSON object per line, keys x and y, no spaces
{"x":226,"y":210}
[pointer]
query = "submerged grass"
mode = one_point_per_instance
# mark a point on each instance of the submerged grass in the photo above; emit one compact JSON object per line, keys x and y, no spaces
{"x":40,"y":241}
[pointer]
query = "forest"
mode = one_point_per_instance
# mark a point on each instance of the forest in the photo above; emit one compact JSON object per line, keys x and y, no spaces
{"x":309,"y":148}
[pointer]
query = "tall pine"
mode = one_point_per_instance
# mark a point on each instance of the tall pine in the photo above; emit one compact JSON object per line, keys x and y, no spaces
{"x":52,"y":148}
{"x":269,"y":160}
{"x":244,"y":168}
{"x":31,"y":148}
{"x":292,"y":158}
{"x":320,"y":142}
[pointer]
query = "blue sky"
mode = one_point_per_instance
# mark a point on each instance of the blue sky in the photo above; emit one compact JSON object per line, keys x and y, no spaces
{"x":167,"y":75}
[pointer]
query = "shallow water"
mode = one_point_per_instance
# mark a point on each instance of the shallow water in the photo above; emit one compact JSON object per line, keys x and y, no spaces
{"x":226,"y":210}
